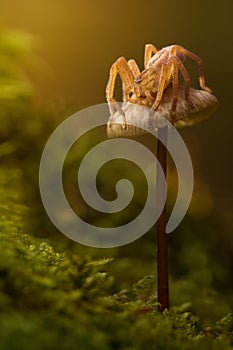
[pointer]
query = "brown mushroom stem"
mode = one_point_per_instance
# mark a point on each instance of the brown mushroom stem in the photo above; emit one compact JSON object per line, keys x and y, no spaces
{"x":204,"y":104}
{"x":162,"y":251}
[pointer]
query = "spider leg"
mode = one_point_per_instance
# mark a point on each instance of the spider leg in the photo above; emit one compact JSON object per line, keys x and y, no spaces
{"x":199,"y":62}
{"x":134,"y":67}
{"x":150,"y":50}
{"x":175,"y":86}
{"x":136,"y":75}
{"x":178,"y":63}
{"x":161,"y":86}
{"x":122,"y":68}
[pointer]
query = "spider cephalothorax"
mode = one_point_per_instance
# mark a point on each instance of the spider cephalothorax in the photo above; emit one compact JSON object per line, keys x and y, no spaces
{"x":161,"y":68}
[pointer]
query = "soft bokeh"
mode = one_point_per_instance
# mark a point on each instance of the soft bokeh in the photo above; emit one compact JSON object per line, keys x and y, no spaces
{"x":78,"y":41}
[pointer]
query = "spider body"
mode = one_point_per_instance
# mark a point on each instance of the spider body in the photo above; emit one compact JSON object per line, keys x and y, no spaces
{"x":161,"y":68}
{"x":148,"y":80}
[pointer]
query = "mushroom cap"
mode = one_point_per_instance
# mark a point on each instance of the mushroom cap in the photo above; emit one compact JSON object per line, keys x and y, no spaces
{"x":204,"y":104}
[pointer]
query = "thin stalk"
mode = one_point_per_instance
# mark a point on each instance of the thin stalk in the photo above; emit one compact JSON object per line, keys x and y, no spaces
{"x":162,"y":251}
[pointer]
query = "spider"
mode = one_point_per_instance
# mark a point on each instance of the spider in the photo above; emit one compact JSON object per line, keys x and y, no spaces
{"x":161,"y":68}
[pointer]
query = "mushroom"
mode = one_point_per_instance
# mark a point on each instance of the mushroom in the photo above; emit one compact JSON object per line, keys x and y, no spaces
{"x":204,"y":104}
{"x":138,"y":119}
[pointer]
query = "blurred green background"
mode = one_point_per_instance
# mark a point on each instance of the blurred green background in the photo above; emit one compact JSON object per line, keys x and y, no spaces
{"x":55,"y":58}
{"x":78,"y":41}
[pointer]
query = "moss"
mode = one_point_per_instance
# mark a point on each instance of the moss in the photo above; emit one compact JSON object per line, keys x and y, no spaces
{"x":54,"y":299}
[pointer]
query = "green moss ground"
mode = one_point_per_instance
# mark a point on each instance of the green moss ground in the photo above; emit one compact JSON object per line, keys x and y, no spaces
{"x":61,"y":300}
